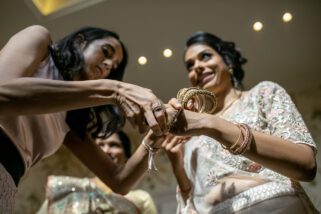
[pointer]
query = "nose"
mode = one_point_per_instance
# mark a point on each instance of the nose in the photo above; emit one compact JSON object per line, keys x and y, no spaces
{"x":198,"y":66}
{"x":106,"y":149}
{"x":108,"y":64}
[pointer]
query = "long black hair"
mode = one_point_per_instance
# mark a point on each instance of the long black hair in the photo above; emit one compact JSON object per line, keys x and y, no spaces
{"x":231,"y":56}
{"x":68,"y":58}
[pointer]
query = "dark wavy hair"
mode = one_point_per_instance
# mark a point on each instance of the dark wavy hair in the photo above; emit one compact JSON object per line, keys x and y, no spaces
{"x":231,"y":56}
{"x":125,"y":142}
{"x":68,"y":58}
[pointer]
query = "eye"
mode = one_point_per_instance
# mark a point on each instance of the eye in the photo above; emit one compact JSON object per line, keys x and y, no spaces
{"x":189,"y":65}
{"x":108,"y":51}
{"x":205,"y":56}
{"x":114,"y":145}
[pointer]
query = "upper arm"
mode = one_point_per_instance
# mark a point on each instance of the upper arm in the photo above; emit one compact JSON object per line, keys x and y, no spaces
{"x":284,"y":119}
{"x":24,"y":51}
{"x":93,"y":157}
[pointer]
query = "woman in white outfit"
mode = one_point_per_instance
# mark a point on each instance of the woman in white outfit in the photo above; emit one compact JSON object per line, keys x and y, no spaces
{"x":249,"y":155}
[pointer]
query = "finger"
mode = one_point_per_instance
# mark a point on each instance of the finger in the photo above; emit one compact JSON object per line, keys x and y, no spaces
{"x":167,"y":140}
{"x":152,"y":122}
{"x":127,"y":111}
{"x":161,"y":118}
{"x":190,"y":104}
{"x":175,"y":103}
{"x":171,"y":144}
{"x":143,"y":127}
{"x":159,"y":115}
{"x":138,"y":117}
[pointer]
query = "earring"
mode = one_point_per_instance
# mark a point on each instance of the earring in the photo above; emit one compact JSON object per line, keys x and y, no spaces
{"x":231,"y":71}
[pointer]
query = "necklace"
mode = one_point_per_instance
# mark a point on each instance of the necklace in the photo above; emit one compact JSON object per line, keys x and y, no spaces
{"x":229,"y":105}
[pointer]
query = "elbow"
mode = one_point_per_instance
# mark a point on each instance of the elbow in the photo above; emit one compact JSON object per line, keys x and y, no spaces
{"x":308,"y":172}
{"x":119,"y":190}
{"x":119,"y":187}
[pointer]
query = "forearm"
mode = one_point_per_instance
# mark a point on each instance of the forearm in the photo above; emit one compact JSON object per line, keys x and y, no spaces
{"x":137,"y":165}
{"x":181,"y":177}
{"x":120,"y":180}
{"x":133,"y":171}
{"x":287,"y":158}
{"x":38,"y":96}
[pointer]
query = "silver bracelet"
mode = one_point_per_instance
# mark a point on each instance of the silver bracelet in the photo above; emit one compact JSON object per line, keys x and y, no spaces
{"x":151,"y":153}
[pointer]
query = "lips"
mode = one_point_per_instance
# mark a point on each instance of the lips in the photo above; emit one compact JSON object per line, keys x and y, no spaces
{"x":100,"y":71}
{"x":205,"y":78}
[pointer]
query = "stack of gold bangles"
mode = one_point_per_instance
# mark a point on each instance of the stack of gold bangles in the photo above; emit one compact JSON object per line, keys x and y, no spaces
{"x":203,"y":101}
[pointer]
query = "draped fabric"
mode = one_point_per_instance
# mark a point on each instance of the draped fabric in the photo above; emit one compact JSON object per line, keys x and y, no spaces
{"x":266,"y":108}
{"x":70,"y":195}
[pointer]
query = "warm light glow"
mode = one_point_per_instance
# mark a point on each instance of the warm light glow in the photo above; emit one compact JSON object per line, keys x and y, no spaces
{"x":47,"y":7}
{"x":257,"y":26}
{"x":142,"y":60}
{"x":50,"y":7}
{"x":287,"y":17}
{"x":167,"y":53}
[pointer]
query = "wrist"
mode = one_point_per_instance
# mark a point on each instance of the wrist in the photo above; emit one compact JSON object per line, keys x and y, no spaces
{"x":113,"y":89}
{"x":153,"y":140}
{"x":203,"y":124}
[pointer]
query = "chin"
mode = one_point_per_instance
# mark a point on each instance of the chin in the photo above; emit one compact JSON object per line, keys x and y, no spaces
{"x":208,"y":86}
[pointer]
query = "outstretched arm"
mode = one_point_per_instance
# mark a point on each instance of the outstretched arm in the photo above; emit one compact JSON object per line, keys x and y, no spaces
{"x":120,"y":180}
{"x":174,"y":148}
{"x":293,"y":160}
{"x":21,"y":93}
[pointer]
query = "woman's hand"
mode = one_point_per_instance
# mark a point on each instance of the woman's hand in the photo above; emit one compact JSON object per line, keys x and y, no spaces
{"x":141,"y":106}
{"x":184,"y":122}
{"x":174,"y":148}
{"x":154,"y":140}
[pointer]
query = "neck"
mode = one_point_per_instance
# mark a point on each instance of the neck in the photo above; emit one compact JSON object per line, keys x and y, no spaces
{"x":226,"y":99}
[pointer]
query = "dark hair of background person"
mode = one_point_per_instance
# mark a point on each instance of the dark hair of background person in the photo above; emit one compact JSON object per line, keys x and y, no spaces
{"x":68,"y":57}
{"x":231,"y":56}
{"x":125,"y":142}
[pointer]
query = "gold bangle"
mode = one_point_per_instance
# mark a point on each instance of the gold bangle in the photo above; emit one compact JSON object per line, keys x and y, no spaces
{"x":236,"y":142}
{"x":207,"y":101}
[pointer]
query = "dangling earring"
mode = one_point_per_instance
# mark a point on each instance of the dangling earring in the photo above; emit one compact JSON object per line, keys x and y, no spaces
{"x":231,"y":71}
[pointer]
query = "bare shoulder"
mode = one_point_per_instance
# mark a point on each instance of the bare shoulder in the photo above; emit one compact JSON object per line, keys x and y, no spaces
{"x":34,"y":33}
{"x":24,"y":51}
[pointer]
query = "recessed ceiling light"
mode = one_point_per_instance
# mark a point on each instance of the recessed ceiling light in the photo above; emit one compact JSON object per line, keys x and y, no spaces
{"x":167,"y":53}
{"x":287,"y":17}
{"x":257,"y":26}
{"x":55,"y":8}
{"x":142,"y":60}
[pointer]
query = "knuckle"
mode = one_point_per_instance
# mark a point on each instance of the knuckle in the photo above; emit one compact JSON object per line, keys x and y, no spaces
{"x":130,"y":115}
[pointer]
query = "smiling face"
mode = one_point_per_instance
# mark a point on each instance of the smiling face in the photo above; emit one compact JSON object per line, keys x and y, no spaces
{"x":113,"y":147}
{"x":101,"y":57}
{"x":207,"y":69}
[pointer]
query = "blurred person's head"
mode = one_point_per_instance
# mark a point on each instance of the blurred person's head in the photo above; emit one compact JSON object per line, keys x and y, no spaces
{"x":117,"y":146}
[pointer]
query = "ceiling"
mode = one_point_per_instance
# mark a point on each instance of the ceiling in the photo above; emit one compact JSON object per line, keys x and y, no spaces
{"x":285,"y":53}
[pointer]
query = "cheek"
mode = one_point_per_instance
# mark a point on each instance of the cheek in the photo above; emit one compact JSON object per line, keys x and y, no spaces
{"x":106,"y":75}
{"x":192,"y":78}
{"x":118,"y":152}
{"x":86,"y":75}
